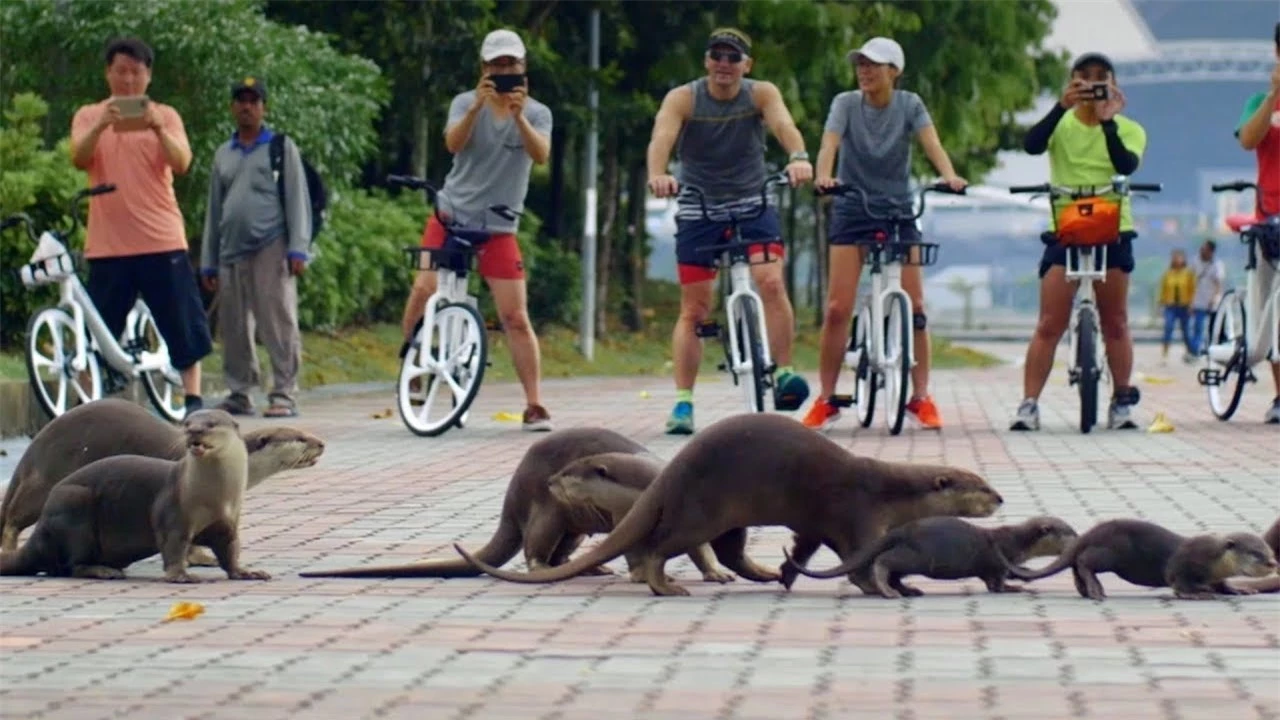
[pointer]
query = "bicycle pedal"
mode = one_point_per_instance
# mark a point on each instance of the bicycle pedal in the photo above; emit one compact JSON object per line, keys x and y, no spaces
{"x":707,"y":329}
{"x":1209,"y":377}
{"x":841,"y":400}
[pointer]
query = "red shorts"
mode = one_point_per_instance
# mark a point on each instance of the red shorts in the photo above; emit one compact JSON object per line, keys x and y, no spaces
{"x":690,"y":273}
{"x":498,"y":258}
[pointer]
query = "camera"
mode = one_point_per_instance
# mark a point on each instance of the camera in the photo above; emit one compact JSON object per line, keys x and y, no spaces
{"x":1098,"y":91}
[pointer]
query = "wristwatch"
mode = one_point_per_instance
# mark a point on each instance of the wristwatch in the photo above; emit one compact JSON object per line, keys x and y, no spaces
{"x":798,"y":155}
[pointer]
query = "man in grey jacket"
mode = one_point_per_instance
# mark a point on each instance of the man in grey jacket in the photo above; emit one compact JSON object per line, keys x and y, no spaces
{"x":254,"y":248}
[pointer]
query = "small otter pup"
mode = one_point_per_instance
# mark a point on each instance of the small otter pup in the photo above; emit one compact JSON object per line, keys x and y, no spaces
{"x":1265,"y":584}
{"x":948,"y":548}
{"x":1139,"y":552}
{"x":118,"y":510}
{"x":1201,"y":565}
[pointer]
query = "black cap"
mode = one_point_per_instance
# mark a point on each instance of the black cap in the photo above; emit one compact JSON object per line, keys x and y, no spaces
{"x":251,"y":83}
{"x":732,"y":37}
{"x":1093,"y":57}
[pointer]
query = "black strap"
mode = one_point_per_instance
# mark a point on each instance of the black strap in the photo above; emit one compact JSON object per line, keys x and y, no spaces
{"x":276,"y":149}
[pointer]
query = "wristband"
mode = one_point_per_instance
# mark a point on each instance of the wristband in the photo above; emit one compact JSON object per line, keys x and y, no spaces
{"x":798,"y":155}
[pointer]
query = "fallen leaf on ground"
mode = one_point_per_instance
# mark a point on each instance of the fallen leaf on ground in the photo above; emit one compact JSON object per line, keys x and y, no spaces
{"x":184,"y":611}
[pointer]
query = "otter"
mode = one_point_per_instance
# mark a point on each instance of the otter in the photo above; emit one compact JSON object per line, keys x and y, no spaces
{"x":767,"y":469}
{"x":118,"y":510}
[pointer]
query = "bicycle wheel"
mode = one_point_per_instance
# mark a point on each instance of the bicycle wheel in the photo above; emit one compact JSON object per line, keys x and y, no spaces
{"x":1227,"y":357}
{"x":450,"y":354}
{"x":865,"y":376}
{"x":1087,"y":367}
{"x":51,"y":346}
{"x":142,"y":335}
{"x":748,"y":323}
{"x":897,"y":370}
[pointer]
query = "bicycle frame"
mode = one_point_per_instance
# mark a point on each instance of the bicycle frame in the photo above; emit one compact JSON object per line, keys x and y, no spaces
{"x":886,"y":283}
{"x":1268,"y":319}
{"x":1084,"y":266}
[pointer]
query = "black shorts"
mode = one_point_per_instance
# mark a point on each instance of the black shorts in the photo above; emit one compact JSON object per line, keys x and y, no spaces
{"x":1119,"y":255}
{"x":168,"y":286}
{"x":864,"y":231}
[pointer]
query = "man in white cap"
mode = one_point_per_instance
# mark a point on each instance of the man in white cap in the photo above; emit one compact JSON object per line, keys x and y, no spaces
{"x":872,"y":128}
{"x":495,"y":133}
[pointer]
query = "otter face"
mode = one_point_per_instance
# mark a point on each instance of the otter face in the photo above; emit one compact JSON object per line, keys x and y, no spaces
{"x":573,"y":484}
{"x":289,"y":448}
{"x":209,"y":431}
{"x":1249,"y":555}
{"x":1053,"y":536}
{"x":964,"y":494}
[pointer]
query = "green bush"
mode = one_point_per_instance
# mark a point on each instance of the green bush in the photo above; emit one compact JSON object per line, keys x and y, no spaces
{"x":40,"y":182}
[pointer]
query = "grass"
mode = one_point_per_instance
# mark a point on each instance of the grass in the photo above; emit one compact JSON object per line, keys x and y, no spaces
{"x":368,"y":354}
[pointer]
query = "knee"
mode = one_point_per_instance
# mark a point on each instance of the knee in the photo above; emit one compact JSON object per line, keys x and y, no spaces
{"x":838,"y":313}
{"x":693,"y":312}
{"x":1115,"y":325}
{"x":1050,"y":327}
{"x":515,"y":320}
{"x":772,"y":288}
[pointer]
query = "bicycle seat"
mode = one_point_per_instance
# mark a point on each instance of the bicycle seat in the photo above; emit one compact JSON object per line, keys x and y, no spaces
{"x":1240,"y":221}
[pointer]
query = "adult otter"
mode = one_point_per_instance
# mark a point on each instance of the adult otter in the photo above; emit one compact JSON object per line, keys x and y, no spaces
{"x":112,"y":426}
{"x":118,"y":510}
{"x":530,"y":518}
{"x":767,"y":469}
{"x":1140,"y":552}
{"x":948,"y":548}
{"x":1264,"y":584}
{"x":1199,"y":568}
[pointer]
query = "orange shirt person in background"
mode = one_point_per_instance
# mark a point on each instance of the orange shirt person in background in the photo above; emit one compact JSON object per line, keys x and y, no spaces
{"x":136,"y":242}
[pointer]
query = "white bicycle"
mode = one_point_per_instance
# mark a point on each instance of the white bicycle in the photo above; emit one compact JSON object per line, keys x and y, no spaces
{"x":881,"y":348}
{"x":449,"y":347}
{"x":745,"y":334}
{"x":1086,"y":263}
{"x":1238,"y":341}
{"x":67,"y":343}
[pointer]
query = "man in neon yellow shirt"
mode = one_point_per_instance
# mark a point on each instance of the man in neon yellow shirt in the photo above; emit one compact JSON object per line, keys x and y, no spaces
{"x":1088,"y":142}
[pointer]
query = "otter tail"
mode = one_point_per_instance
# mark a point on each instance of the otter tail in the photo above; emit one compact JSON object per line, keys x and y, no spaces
{"x":1062,"y":562}
{"x":635,"y":525}
{"x":856,"y":562}
{"x":503,"y":546}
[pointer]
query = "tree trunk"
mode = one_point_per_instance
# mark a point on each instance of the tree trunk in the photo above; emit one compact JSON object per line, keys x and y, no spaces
{"x":610,"y":192}
{"x":421,"y":152}
{"x":637,"y":195}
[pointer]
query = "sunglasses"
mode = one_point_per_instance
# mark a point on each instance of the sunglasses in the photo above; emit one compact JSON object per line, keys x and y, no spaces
{"x":732,"y":56}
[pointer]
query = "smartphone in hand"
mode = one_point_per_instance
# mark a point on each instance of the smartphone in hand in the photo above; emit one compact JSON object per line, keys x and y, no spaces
{"x":507,"y":83}
{"x":133,"y":109}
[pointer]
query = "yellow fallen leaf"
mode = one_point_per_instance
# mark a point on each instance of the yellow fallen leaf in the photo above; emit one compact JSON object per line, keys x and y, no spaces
{"x":507,"y":416}
{"x":184,"y":611}
{"x":1159,"y":380}
{"x":381,"y":414}
{"x":1160,"y":425}
{"x":644,"y":394}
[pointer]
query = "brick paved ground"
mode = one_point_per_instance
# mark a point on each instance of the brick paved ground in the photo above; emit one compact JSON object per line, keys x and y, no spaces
{"x":597,"y":647}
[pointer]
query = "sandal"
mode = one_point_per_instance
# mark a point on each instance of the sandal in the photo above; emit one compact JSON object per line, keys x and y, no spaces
{"x":281,"y":407}
{"x":237,"y":404}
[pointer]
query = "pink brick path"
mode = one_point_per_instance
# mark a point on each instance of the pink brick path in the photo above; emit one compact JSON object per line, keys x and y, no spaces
{"x":594,"y":648}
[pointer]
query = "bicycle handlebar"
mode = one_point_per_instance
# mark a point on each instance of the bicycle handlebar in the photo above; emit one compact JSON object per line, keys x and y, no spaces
{"x":1237,"y":186}
{"x":939,"y":187}
{"x":72,"y":208}
{"x":1120,"y":186}
{"x":770,"y":180}
{"x":433,"y":194}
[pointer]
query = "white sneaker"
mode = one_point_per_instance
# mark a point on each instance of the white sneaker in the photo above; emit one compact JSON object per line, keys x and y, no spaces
{"x":1273,"y":415}
{"x":1027,"y":416}
{"x":1118,"y":417}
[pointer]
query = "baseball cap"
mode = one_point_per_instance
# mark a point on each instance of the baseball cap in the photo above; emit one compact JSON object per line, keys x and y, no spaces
{"x":251,"y":83}
{"x":1093,"y":57}
{"x":881,"y":50}
{"x":501,"y":43}
{"x":732,"y":37}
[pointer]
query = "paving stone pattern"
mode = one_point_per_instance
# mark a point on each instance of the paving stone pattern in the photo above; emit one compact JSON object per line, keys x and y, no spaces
{"x":591,"y":648}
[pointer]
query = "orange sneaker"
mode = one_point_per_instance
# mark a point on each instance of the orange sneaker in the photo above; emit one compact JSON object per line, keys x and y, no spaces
{"x":923,"y":411}
{"x":821,"y":415}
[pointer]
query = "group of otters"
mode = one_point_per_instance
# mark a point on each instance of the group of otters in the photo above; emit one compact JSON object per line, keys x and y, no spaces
{"x":108,"y":484}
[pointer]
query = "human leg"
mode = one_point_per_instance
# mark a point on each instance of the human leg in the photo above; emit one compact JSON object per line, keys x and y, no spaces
{"x":500,"y":264}
{"x":920,"y":406}
{"x":275,"y":308}
{"x":236,"y":324}
{"x":1198,"y":317}
{"x":1055,"y":314}
{"x":1170,"y":317}
{"x":112,"y":288}
{"x":1113,"y":319}
{"x":697,"y":272}
{"x":168,"y":286}
{"x":791,"y":390}
{"x":844,"y":267}
{"x":424,"y":282}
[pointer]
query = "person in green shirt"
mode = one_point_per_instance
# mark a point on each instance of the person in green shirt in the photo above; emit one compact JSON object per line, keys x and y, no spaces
{"x":1088,"y":142}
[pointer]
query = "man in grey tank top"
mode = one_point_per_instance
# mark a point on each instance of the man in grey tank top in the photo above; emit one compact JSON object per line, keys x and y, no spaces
{"x":718,"y":121}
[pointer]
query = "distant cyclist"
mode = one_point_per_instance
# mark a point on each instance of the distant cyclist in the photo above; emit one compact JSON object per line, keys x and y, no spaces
{"x":1259,"y":130}
{"x":1088,"y":141}
{"x":718,"y":121}
{"x":873,"y":127}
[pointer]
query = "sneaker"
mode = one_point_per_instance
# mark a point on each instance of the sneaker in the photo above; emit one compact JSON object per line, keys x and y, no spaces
{"x":822,"y":415}
{"x":1273,"y":415}
{"x":537,"y":419}
{"x":925,"y":412}
{"x":790,"y":392}
{"x":1027,"y":417}
{"x":681,"y":420}
{"x":1119,"y":417}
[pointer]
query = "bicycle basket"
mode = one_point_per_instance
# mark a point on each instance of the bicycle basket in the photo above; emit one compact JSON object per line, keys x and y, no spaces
{"x":1089,"y":222}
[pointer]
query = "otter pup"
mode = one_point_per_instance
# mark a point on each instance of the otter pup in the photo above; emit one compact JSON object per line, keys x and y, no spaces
{"x":948,"y":548}
{"x":118,"y":510}
{"x":1199,"y":568}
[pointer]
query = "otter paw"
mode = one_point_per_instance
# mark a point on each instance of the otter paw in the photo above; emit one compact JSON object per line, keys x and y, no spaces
{"x":669,"y":589}
{"x":718,"y":576}
{"x":636,"y":575}
{"x":98,"y":572}
{"x":181,"y":577}
{"x":787,"y":575}
{"x":1229,"y":589}
{"x":1196,"y":595}
{"x":1010,"y":588}
{"x":246,"y":574}
{"x":199,"y":557}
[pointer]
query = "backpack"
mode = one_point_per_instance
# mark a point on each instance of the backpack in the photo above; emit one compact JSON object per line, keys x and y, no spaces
{"x":315,"y":186}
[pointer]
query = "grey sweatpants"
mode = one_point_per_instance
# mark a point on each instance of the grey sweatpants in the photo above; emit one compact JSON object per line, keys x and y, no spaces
{"x":259,"y":291}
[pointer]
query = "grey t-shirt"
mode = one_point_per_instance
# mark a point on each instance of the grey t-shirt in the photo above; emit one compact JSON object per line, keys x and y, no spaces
{"x":493,"y":167}
{"x":875,"y":151}
{"x":1210,"y":277}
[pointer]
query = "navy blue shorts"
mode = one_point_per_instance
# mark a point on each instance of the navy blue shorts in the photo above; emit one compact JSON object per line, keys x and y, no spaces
{"x":168,"y":286}
{"x":1119,"y":255}
{"x":851,"y":232}
{"x":694,"y":234}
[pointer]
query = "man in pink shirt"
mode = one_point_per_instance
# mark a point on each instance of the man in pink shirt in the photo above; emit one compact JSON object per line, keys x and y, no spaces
{"x":136,"y":241}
